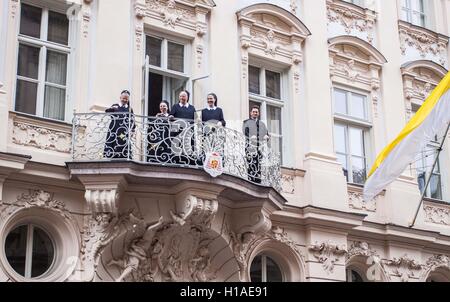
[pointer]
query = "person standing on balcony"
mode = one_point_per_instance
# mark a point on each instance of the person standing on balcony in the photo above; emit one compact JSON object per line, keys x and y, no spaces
{"x":212,"y":118}
{"x":159,"y":135}
{"x":212,"y":113}
{"x":256,"y":135}
{"x":121,"y":125}
{"x":183,"y":146}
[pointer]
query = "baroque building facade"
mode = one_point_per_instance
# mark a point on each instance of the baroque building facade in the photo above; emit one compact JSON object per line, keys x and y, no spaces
{"x":335,"y":81}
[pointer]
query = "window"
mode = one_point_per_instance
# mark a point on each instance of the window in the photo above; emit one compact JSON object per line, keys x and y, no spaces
{"x":265,"y":88}
{"x":167,"y":71}
{"x":43,"y":53}
{"x":29,"y":251}
{"x":353,"y":276}
{"x":356,"y":2}
{"x":424,"y":163}
{"x":166,"y":54}
{"x":265,"y":269}
{"x":351,"y":128}
{"x":413,"y":11}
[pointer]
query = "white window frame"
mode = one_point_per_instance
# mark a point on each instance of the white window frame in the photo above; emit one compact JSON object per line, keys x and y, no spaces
{"x":264,"y":100}
{"x":163,"y":69}
{"x":408,"y":9}
{"x":360,"y":3}
{"x":354,"y":122}
{"x":44,"y":46}
{"x":264,"y":267}
{"x":29,"y":250}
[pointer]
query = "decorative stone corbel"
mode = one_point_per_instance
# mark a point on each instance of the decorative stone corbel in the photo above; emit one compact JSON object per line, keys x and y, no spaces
{"x":103,"y":194}
{"x":195,"y":209}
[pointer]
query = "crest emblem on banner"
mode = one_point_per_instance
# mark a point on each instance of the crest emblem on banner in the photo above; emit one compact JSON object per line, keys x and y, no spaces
{"x":213,"y":164}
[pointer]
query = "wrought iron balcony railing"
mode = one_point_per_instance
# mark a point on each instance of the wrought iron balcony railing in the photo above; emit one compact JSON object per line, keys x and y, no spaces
{"x":169,"y":142}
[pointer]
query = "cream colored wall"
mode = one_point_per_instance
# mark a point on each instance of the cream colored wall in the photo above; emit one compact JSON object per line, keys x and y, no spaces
{"x":108,"y":61}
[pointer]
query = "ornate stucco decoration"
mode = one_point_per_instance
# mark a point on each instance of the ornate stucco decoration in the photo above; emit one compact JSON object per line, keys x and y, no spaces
{"x":269,"y":31}
{"x":428,"y":44}
{"x":178,"y":249}
{"x":41,"y":134}
{"x":434,"y":263}
{"x":437,"y":214}
{"x":357,"y":63}
{"x":403,"y":267}
{"x":35,"y":199}
{"x":352,"y":18}
{"x":359,"y":248}
{"x":14,"y":8}
{"x":139,"y":11}
{"x":327,"y":253}
{"x":248,"y":238}
{"x":355,"y":200}
{"x":419,"y":80}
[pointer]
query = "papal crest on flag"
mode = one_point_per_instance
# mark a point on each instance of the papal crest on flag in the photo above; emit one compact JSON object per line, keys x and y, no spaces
{"x":430,"y":120}
{"x":213,"y":164}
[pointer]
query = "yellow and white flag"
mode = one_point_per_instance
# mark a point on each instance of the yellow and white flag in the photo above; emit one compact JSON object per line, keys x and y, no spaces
{"x":431,"y":119}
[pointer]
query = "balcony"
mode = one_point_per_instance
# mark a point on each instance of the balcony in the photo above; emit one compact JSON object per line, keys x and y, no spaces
{"x":160,"y":142}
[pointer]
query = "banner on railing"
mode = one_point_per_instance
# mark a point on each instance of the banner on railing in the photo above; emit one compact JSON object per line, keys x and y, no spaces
{"x":213,"y":164}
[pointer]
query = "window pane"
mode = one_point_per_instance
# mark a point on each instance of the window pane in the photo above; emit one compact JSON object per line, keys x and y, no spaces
{"x":435,"y":186}
{"x":339,"y":139}
{"x":274,"y":127}
{"x":54,"y":103}
{"x":28,"y":64}
{"x":358,"y":169}
{"x":273,"y":85}
{"x":175,"y":57}
{"x":30,"y":21}
{"x":342,"y":159}
{"x":355,"y":277}
{"x":358,"y":106}
{"x":153,"y":50}
{"x":26,"y":94}
{"x":256,"y":270}
{"x":356,"y":141}
{"x":253,"y":79}
{"x":16,"y":247}
{"x":273,"y":271}
{"x":340,"y":101}
{"x":42,"y":253}
{"x":56,"y":68}
{"x":58,"y":28}
{"x":274,"y":119}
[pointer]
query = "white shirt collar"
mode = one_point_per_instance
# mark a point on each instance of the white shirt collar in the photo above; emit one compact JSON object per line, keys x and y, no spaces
{"x":212,"y":108}
{"x":186,"y":105}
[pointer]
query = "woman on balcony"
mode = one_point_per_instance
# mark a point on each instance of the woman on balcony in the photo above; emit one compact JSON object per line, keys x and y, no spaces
{"x":159,"y":135}
{"x":122,"y":124}
{"x":183,"y":133}
{"x":213,"y":120}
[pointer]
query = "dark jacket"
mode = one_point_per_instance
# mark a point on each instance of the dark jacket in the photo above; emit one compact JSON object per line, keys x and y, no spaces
{"x":120,"y":126}
{"x":183,"y":112}
{"x":215,"y":115}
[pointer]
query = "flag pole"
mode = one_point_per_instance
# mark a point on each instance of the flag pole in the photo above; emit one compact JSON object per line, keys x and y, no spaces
{"x":429,"y":178}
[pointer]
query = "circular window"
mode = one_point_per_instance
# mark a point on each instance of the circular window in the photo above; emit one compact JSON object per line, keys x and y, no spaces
{"x":30,"y":251}
{"x":265,"y":269}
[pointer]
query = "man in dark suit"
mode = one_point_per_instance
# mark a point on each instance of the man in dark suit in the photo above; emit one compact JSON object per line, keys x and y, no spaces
{"x":256,"y":134}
